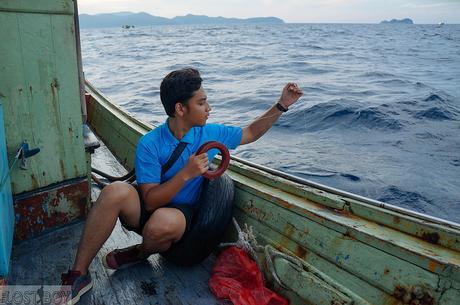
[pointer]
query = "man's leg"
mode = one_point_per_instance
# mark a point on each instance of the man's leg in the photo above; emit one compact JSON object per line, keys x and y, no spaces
{"x":116,"y":199}
{"x":164,"y":227}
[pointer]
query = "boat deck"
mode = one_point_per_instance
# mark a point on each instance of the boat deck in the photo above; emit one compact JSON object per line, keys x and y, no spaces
{"x":41,"y":260}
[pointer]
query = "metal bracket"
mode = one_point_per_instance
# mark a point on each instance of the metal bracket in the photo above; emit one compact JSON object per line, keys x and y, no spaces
{"x":25,"y":152}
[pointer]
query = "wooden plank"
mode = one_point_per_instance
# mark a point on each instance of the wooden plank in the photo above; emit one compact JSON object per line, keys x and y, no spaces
{"x":360,"y":259}
{"x":40,"y":88}
{"x":361,"y":290}
{"x":38,"y":6}
{"x":428,"y":256}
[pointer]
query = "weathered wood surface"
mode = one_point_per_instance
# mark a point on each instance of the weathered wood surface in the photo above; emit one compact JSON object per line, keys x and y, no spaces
{"x":40,"y":89}
{"x":42,"y":260}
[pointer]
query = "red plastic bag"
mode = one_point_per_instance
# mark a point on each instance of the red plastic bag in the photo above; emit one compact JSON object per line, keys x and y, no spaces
{"x":237,"y":278}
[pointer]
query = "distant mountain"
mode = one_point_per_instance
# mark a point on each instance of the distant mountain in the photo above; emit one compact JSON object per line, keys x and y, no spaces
{"x":140,"y":19}
{"x":398,"y":21}
{"x":119,"y":19}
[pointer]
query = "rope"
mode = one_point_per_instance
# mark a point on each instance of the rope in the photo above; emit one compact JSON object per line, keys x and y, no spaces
{"x":247,"y":241}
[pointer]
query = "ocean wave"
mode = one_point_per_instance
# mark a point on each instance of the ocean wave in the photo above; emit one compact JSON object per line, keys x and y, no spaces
{"x":435,"y":113}
{"x":434,"y":97}
{"x":339,"y":115}
{"x":376,"y":74}
{"x":435,"y":106}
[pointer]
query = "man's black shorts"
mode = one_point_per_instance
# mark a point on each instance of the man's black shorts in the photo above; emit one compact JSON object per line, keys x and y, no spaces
{"x":186,"y":209}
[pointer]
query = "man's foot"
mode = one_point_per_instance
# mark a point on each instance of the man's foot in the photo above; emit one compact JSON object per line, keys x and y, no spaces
{"x":79,"y":283}
{"x":122,"y":258}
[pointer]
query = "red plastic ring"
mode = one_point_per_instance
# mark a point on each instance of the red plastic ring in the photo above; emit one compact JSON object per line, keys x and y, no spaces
{"x":213,"y":174}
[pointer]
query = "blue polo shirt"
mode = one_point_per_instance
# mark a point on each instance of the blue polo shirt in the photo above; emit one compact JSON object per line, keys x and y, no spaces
{"x":156,"y":146}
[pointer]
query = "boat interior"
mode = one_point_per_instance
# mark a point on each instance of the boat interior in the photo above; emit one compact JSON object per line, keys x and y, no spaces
{"x":155,"y":281}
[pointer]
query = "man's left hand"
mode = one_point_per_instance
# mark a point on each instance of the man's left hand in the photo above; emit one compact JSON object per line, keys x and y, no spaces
{"x":291,"y":93}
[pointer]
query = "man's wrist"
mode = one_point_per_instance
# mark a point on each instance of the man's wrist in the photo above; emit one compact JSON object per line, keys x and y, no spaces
{"x":281,"y":107}
{"x":183,"y":175}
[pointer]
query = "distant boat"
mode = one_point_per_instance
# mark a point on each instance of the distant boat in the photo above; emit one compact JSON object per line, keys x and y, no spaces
{"x":126,"y":26}
{"x":441,"y":23}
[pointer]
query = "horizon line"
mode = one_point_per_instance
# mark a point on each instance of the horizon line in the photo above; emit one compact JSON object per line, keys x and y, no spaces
{"x":286,"y":22}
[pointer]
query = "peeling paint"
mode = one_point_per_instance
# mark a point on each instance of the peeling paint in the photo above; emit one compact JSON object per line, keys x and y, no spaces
{"x":49,"y":208}
{"x":414,"y":295}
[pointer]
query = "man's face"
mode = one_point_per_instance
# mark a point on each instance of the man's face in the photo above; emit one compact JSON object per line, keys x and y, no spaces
{"x":197,"y":110}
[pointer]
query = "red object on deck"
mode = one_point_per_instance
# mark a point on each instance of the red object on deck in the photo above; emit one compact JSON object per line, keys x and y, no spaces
{"x":236,"y":277}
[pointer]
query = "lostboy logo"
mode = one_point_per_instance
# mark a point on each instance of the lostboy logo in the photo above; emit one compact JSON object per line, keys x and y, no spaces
{"x":33,"y":295}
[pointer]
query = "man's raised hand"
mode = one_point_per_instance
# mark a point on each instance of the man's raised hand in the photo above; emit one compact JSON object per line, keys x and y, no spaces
{"x":291,"y":93}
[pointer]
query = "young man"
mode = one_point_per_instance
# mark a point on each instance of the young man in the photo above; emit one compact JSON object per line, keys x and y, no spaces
{"x":162,"y":207}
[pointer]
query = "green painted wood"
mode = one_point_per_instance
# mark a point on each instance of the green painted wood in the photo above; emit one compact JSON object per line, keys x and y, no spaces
{"x":431,"y":257}
{"x":448,"y":237}
{"x":352,"y":255}
{"x":40,"y":87}
{"x":309,"y":286}
{"x":369,"y":260}
{"x":38,"y":6}
{"x":358,"y":289}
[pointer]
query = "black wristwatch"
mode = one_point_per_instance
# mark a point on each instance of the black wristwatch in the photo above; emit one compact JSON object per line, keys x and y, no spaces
{"x":281,"y":107}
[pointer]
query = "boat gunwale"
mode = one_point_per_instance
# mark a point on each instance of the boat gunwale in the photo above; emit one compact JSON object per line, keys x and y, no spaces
{"x":360,"y":199}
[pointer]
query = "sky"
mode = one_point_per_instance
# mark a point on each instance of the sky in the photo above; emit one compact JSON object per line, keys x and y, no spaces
{"x":301,"y":11}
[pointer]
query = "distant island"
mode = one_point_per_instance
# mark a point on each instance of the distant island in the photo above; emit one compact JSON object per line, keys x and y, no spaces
{"x":145,"y":19}
{"x":398,"y":21}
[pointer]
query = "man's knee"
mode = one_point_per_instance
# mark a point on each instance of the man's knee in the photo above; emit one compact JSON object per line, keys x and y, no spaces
{"x":164,"y":224}
{"x":117,"y":193}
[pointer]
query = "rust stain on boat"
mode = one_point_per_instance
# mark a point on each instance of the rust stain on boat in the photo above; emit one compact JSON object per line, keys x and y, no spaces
{"x":46,"y":209}
{"x":300,"y":252}
{"x":258,"y":213}
{"x":414,"y":295}
{"x":432,"y":266}
{"x":432,"y":237}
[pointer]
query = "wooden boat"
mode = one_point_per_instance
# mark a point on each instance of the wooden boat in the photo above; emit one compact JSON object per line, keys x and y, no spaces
{"x":353,"y":250}
{"x":321,"y":245}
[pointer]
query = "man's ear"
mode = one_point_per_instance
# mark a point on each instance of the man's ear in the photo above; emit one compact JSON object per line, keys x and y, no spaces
{"x":180,"y":109}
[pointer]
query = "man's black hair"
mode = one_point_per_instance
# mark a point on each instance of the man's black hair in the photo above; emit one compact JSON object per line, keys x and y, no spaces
{"x":178,"y":87}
